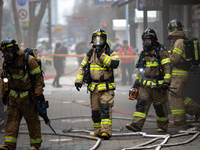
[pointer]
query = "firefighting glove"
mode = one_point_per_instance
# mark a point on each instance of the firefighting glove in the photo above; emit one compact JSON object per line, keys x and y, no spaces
{"x":89,"y":54}
{"x":165,"y":86}
{"x":99,"y":53}
{"x":5,"y":99}
{"x":78,"y":86}
{"x":39,"y":97}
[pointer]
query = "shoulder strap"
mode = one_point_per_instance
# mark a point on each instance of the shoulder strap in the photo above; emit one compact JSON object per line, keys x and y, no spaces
{"x":25,"y":60}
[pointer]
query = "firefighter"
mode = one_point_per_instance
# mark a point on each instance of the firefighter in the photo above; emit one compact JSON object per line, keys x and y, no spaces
{"x":153,"y":79}
{"x":180,"y":67}
{"x":25,"y":86}
{"x":100,"y":62}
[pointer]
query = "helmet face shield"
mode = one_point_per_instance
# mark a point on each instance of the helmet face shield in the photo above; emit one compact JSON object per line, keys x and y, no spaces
{"x":98,"y":40}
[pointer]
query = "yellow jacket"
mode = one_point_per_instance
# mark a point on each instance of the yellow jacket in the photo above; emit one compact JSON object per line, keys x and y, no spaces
{"x":102,"y":67}
{"x":157,"y":71}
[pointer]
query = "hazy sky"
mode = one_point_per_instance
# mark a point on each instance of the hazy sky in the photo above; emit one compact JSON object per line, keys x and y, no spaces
{"x":64,"y":7}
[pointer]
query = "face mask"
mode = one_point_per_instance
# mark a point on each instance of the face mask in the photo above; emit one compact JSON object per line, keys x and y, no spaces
{"x":147,"y":46}
{"x":8,"y":60}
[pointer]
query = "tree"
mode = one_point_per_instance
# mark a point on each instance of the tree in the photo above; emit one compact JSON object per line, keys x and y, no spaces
{"x":19,"y":36}
{"x":1,"y":12}
{"x":34,"y":23}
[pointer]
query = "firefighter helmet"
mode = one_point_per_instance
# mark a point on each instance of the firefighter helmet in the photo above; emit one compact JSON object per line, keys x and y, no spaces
{"x":10,"y":45}
{"x":149,"y":34}
{"x":175,"y":25}
{"x":99,"y":32}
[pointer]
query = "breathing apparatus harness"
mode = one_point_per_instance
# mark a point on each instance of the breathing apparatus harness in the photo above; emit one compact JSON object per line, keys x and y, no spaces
{"x":87,"y":76}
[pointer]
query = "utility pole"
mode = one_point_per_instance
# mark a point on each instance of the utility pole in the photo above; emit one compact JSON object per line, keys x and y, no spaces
{"x":127,"y":22}
{"x":49,"y":23}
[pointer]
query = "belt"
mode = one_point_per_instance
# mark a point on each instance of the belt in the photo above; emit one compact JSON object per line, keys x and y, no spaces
{"x":97,"y":81}
{"x":110,"y":80}
{"x":158,"y":77}
{"x":21,"y":90}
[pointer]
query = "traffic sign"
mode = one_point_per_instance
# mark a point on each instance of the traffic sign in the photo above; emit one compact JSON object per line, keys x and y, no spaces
{"x":139,"y":5}
{"x":21,"y":2}
{"x":23,"y":10}
{"x":22,"y":14}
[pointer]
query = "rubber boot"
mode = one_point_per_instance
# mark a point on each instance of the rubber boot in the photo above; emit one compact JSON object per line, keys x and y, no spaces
{"x":172,"y":124}
{"x":197,"y":115}
{"x":161,"y":130}
{"x":95,"y":135}
{"x":34,"y":148}
{"x":3,"y":147}
{"x":133,"y":127}
{"x":105,"y":136}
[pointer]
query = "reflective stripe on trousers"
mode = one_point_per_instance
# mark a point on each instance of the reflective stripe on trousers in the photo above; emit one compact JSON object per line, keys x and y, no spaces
{"x":10,"y":139}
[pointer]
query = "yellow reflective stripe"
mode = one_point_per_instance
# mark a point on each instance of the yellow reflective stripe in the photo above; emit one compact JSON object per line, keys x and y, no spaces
{"x":152,"y":82}
{"x":196,"y":49}
{"x":184,"y":56}
{"x":139,"y":114}
{"x":167,"y":76}
{"x":164,"y":61}
{"x":91,"y":86}
{"x":97,"y":125}
{"x":180,"y":73}
{"x":162,"y":118}
{"x":33,"y":141}
{"x":17,"y":77}
{"x":178,"y":111}
{"x":106,"y":121}
{"x":103,"y":86}
{"x":151,"y":64}
{"x":79,"y":77}
{"x":178,"y":51}
{"x":10,"y":139}
{"x":106,"y":60}
{"x":138,"y":77}
{"x":116,"y":56}
{"x":35,"y":71}
{"x":13,"y":93}
{"x":9,"y":45}
{"x":187,"y":100}
{"x":83,"y":63}
{"x":97,"y":67}
{"x":2,"y":70}
{"x":23,"y":94}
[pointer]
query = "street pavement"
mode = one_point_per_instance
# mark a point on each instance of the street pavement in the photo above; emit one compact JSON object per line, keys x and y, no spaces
{"x":70,"y":113}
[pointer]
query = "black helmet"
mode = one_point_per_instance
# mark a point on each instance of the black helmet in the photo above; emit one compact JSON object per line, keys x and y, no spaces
{"x":175,"y":25}
{"x":99,"y":32}
{"x":10,"y":45}
{"x":149,"y":34}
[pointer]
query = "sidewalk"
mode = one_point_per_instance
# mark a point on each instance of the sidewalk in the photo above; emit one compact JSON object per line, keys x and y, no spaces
{"x":70,"y":111}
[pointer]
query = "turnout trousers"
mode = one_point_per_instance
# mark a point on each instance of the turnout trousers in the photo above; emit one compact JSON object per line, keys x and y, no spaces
{"x":182,"y":104}
{"x":101,"y":104}
{"x":146,"y":97}
{"x":17,"y":108}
